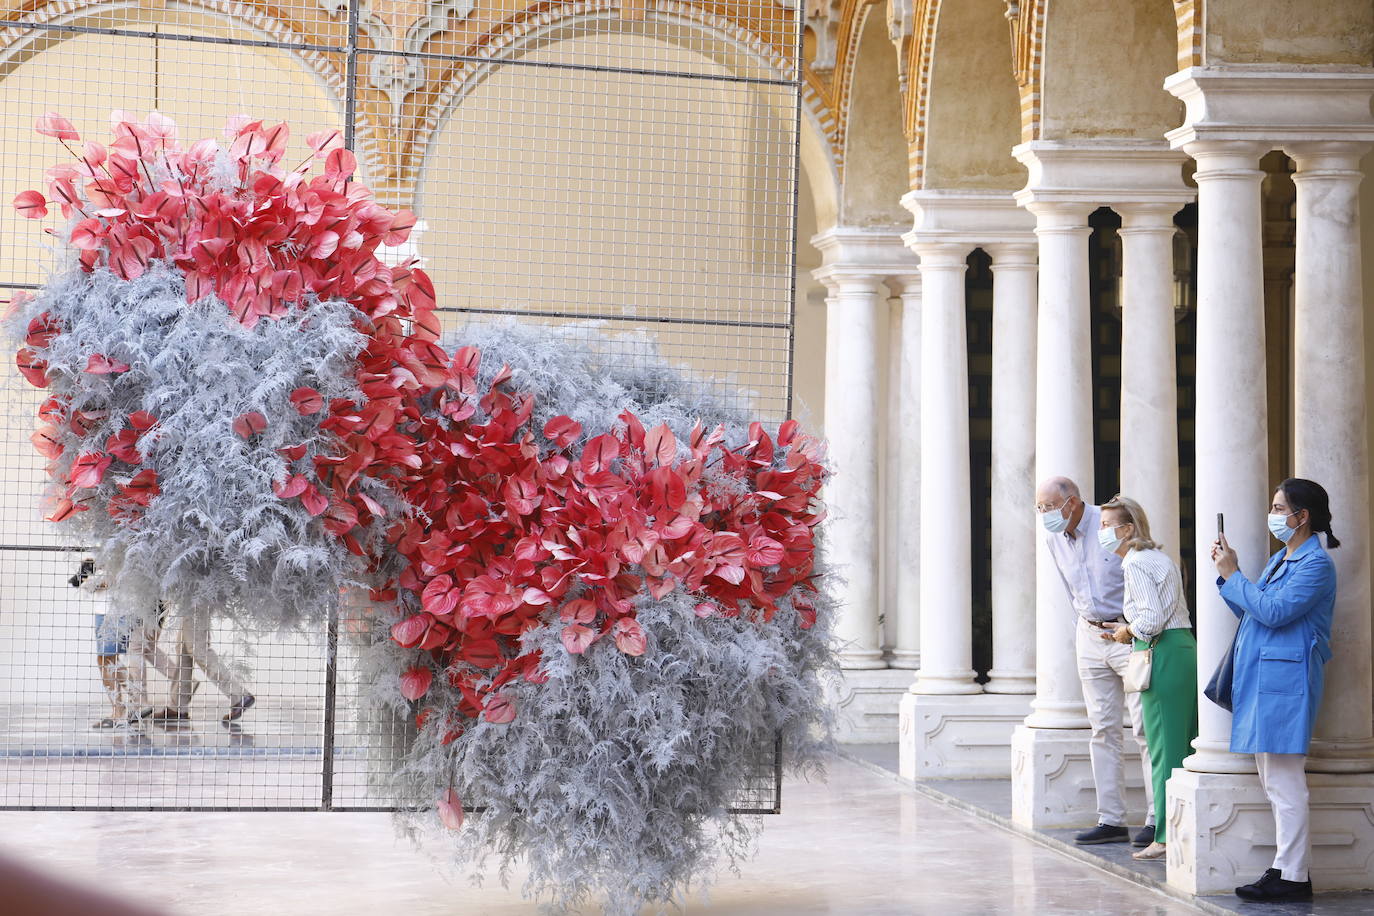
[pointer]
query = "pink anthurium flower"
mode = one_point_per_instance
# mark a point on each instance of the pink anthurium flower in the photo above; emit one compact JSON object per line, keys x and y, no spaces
{"x":53,"y":124}
{"x":451,"y":810}
{"x":31,"y":204}
{"x":415,"y":682}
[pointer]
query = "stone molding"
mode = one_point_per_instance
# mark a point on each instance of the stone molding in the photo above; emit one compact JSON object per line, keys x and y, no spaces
{"x":959,"y":737}
{"x":1052,"y":778}
{"x":866,"y":704}
{"x":976,"y":219}
{"x":851,"y":252}
{"x":1102,"y":173}
{"x":1271,"y":105}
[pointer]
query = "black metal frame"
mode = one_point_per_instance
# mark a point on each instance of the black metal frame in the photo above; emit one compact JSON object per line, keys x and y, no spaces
{"x":351,"y":52}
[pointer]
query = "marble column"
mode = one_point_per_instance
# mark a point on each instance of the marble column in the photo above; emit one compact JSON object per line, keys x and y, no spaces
{"x":1232,"y":120}
{"x":946,"y":595}
{"x":855,"y":311}
{"x":1014,"y":267}
{"x":1049,"y":751}
{"x":949,"y":726}
{"x":1331,"y":430}
{"x":1149,"y":383}
{"x":1063,"y":440}
{"x":907,"y":651}
{"x":857,"y":265}
{"x":1232,"y":474}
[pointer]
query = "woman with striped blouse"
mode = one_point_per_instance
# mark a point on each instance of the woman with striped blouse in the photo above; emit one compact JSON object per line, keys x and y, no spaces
{"x":1156,"y":614}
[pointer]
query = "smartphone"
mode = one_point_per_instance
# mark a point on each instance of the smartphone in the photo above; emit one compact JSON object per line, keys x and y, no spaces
{"x":1221,"y":524}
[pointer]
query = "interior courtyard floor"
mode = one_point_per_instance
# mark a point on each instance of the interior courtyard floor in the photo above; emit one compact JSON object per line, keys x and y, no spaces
{"x":990,"y":800}
{"x":856,"y":842}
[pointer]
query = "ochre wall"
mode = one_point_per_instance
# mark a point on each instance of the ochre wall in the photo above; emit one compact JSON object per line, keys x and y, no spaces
{"x":1290,"y":32}
{"x":875,"y":150}
{"x":974,"y":110}
{"x":1104,"y":64}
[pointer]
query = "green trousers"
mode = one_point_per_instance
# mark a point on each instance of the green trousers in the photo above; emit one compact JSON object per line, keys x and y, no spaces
{"x":1170,"y":711}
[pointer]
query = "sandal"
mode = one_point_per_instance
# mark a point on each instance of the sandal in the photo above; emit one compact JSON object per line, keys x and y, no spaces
{"x":1153,"y":851}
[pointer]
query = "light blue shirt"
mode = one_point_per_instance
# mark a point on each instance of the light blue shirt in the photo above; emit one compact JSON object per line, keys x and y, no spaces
{"x":1091,"y":575}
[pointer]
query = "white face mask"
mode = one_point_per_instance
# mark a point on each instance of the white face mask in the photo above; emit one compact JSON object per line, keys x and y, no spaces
{"x":1278,"y":527}
{"x":1054,"y":521}
{"x":1108,"y":539}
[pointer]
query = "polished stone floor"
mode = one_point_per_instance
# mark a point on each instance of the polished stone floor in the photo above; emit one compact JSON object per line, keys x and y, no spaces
{"x":855,"y":843}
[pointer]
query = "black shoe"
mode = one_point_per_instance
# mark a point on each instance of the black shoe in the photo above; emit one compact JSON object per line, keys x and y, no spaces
{"x":239,"y":706}
{"x":170,"y":715}
{"x":1145,"y":837}
{"x":1273,"y":888}
{"x":1102,"y":833}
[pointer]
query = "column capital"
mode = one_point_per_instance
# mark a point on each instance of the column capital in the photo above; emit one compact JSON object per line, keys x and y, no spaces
{"x":1023,"y":254}
{"x":1272,"y":106}
{"x":1221,"y":158}
{"x":1156,"y":216}
{"x":974,"y":219}
{"x":905,"y":285}
{"x":1327,"y":158}
{"x":839,"y":279}
{"x":939,"y":253}
{"x":1100,"y":172}
{"x":867,"y":251}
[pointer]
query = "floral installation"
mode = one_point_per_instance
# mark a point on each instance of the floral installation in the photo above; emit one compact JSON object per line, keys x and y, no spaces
{"x":595,"y":598}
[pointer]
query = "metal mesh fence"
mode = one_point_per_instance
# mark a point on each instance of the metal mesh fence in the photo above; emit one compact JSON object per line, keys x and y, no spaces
{"x":616,"y":167}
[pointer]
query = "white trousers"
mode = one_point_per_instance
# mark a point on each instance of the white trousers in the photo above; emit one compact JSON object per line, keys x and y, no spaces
{"x":1101,"y":663}
{"x":1283,"y":780}
{"x":193,"y":648}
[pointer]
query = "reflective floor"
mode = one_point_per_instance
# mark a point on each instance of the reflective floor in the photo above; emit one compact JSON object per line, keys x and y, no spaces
{"x":855,"y":843}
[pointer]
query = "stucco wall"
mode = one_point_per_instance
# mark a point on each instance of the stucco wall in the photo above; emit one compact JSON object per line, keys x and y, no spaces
{"x":974,"y":111}
{"x":1105,"y":63}
{"x":1284,"y":31}
{"x":875,"y":150}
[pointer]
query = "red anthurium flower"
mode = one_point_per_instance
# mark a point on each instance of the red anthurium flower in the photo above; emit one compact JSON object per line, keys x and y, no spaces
{"x":451,"y":810}
{"x":409,"y":632}
{"x":32,"y":368}
{"x":31,"y":204}
{"x":64,"y":510}
{"x":100,"y":364}
{"x":307,"y":401}
{"x":499,"y":710}
{"x":562,"y":431}
{"x":629,"y":636}
{"x":142,"y":488}
{"x":89,"y":469}
{"x":315,"y":503}
{"x":45,"y":440}
{"x":577,"y":638}
{"x":415,"y":682}
{"x":53,"y":124}
{"x":249,"y":425}
{"x":292,"y":486}
{"x":121,"y":446}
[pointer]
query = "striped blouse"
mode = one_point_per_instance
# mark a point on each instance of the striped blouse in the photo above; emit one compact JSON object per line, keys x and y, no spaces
{"x":1154,"y":594}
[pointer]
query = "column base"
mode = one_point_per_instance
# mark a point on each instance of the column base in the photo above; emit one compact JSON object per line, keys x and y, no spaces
{"x":866,"y":704}
{"x":1052,"y":778}
{"x":1221,"y":831}
{"x":958,"y":737}
{"x":911,"y":661}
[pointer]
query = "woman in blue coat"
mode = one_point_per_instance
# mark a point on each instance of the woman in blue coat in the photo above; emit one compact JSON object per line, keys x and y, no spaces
{"x":1282,"y":644}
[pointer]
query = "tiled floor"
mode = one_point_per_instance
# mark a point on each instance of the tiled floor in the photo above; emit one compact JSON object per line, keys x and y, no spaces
{"x":857,"y":843}
{"x":992,"y":798}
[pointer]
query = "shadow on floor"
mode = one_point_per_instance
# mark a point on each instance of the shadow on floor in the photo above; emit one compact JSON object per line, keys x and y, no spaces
{"x":990,"y":799}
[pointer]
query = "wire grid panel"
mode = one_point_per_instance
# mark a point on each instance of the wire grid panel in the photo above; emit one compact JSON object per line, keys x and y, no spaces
{"x":622,"y":168}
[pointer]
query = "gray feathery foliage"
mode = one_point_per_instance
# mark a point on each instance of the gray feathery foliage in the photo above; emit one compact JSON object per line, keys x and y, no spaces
{"x":614,"y":780}
{"x":216,"y":537}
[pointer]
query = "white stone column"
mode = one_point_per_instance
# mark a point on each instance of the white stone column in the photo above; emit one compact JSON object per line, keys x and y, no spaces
{"x":949,"y":726}
{"x":1331,"y":430}
{"x":1231,"y":438}
{"x":1014,"y":268}
{"x":855,"y":310}
{"x":1063,"y":440}
{"x":907,"y":653}
{"x":946,"y":598}
{"x":1149,"y":382}
{"x":856,"y":264}
{"x":1232,"y":119}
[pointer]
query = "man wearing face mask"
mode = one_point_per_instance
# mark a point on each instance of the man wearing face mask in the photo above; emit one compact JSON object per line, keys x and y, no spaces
{"x":1092,"y":577}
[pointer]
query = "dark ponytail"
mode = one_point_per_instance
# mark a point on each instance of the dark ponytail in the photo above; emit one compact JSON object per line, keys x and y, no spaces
{"x":1310,"y":495}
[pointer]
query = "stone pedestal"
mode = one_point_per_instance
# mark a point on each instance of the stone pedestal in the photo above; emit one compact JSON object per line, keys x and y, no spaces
{"x":1221,"y":831}
{"x":959,"y":737}
{"x":867,"y":703}
{"x":1052,"y":778}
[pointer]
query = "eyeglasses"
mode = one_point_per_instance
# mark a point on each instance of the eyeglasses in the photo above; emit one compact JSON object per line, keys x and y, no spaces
{"x":1042,"y":508}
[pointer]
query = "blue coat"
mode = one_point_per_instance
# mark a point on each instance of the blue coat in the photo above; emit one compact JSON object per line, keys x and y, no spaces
{"x":1282,"y":645}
